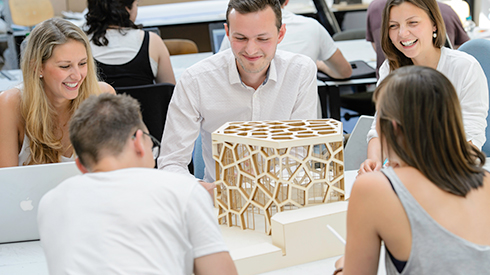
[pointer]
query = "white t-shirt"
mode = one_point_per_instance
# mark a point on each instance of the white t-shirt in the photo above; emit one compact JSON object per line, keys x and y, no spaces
{"x":128,"y":221}
{"x":304,"y":35}
{"x":468,"y":78}
{"x":211,"y":93}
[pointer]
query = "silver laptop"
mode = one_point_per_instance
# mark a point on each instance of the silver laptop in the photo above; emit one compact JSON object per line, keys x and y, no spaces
{"x":355,"y":151}
{"x":21,"y":189}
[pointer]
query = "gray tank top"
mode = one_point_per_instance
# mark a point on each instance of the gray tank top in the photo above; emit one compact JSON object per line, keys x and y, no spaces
{"x":435,"y":250}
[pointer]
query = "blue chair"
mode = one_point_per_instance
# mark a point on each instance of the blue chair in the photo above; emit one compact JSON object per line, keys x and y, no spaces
{"x":480,"y":49}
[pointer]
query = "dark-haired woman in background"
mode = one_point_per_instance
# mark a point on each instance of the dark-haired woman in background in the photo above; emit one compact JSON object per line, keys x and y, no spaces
{"x":430,"y":206}
{"x":125,"y":55}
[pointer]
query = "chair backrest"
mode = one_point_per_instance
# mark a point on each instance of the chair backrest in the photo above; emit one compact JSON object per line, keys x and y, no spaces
{"x":30,"y":12}
{"x":359,"y":33}
{"x":355,"y":151}
{"x":480,"y":49}
{"x":154,"y":100}
{"x":180,"y":46}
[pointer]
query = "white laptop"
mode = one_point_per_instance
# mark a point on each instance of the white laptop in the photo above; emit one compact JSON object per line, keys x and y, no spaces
{"x":21,"y":189}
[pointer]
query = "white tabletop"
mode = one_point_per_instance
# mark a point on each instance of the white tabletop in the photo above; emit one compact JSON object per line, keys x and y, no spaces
{"x":10,"y":78}
{"x":357,"y":49}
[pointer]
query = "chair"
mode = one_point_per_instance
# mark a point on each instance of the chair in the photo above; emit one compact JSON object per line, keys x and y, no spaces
{"x":180,"y":46}
{"x":480,"y":49}
{"x":30,"y":12}
{"x":26,"y":13}
{"x":355,"y":151}
{"x":154,"y":100}
{"x":351,"y":34}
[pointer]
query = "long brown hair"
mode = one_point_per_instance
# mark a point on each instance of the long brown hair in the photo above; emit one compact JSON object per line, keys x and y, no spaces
{"x":36,"y":110}
{"x":420,"y":120}
{"x":396,"y":58}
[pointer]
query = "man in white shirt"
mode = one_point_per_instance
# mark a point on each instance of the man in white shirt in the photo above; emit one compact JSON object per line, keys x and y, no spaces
{"x":121,"y":216}
{"x":307,"y":36}
{"x":250,"y":82}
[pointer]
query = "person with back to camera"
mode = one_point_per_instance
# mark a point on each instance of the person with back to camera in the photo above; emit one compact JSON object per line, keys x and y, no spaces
{"x":413,"y":33}
{"x":126,"y":56}
{"x":122,"y":216}
{"x":58,"y":74}
{"x":249,"y":82}
{"x":430,"y":206}
{"x":454,"y":28}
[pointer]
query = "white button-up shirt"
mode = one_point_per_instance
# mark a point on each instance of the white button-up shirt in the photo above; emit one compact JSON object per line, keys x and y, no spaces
{"x":210,"y":93}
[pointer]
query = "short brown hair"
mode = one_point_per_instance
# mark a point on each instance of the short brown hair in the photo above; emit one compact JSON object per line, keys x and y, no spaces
{"x":249,"y":6}
{"x":396,"y":58}
{"x":102,"y":125}
{"x":428,"y":133}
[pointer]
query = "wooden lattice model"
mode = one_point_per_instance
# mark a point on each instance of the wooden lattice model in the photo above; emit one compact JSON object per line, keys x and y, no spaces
{"x":271,"y":166}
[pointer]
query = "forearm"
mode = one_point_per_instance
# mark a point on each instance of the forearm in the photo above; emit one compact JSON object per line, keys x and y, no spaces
{"x":215,"y":264}
{"x":374,"y":150}
{"x":336,"y":66}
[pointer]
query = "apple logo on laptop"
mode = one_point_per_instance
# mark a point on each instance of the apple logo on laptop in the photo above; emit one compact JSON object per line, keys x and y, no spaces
{"x":26,"y":205}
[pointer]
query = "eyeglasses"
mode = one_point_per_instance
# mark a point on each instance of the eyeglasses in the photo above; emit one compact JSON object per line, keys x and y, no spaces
{"x":156,"y":144}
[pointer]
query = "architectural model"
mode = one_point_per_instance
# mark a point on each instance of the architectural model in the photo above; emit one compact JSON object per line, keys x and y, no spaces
{"x":267,"y":167}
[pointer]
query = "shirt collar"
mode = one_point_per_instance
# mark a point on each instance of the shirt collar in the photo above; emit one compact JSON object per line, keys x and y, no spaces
{"x":234,"y":76}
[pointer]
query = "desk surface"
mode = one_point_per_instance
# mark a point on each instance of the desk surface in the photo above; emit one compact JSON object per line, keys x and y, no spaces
{"x":200,"y":12}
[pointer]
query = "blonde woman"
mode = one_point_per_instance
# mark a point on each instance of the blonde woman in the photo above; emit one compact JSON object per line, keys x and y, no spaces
{"x":59,"y":73}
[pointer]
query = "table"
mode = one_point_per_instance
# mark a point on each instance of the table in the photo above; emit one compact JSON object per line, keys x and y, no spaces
{"x":10,"y":78}
{"x":28,"y":257}
{"x":181,"y":62}
{"x":200,"y":12}
{"x":358,"y":49}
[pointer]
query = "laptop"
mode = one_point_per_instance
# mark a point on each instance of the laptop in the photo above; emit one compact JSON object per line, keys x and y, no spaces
{"x":216,"y":34}
{"x":360,"y":69}
{"x":355,"y":151}
{"x":21,"y":189}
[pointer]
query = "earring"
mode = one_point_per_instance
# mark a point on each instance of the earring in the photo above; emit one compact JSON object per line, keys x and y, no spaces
{"x":434,"y":34}
{"x":40,"y":76}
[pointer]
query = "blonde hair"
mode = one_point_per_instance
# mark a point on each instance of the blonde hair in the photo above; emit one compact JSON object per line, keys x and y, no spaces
{"x":36,"y":110}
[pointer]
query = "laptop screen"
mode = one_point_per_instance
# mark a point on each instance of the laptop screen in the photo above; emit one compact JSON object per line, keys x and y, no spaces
{"x":21,"y":189}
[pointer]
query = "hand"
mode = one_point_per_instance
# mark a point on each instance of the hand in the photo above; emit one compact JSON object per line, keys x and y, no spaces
{"x":339,"y":266}
{"x":209,"y":186}
{"x":369,"y":165}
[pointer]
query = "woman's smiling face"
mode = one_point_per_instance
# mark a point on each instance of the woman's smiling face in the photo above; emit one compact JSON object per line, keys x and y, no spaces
{"x":64,"y":72}
{"x":410,"y":30}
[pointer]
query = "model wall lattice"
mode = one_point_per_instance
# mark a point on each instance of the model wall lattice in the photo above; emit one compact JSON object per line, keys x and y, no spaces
{"x":267,"y":167}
